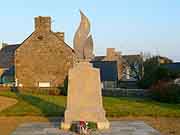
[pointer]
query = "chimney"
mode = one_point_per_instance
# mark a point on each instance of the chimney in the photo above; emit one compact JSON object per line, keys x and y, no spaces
{"x":43,"y":24}
{"x":110,"y":52}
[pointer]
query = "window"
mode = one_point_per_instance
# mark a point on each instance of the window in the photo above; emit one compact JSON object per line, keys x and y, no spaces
{"x":44,"y":84}
{"x":20,"y":85}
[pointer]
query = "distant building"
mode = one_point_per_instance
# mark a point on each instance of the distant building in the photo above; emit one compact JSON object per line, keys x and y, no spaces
{"x":133,"y":68}
{"x":108,"y":73}
{"x":129,"y":67}
{"x":112,"y":55}
{"x":164,"y":60}
{"x":177,"y":81}
{"x":43,"y":59}
{"x":173,"y":67}
{"x":7,"y":62}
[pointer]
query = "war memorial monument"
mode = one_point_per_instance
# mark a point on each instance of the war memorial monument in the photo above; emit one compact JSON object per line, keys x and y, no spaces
{"x":84,"y":100}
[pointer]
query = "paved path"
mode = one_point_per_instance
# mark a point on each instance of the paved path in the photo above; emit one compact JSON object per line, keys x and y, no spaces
{"x":117,"y":128}
{"x":6,"y":102}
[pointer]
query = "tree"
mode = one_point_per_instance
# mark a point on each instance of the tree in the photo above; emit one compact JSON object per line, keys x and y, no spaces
{"x":153,"y":71}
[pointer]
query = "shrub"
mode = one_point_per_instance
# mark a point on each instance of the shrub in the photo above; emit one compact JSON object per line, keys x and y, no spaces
{"x":154,"y":75}
{"x":63,"y":89}
{"x":74,"y":127}
{"x":167,"y":92}
{"x":92,"y":125}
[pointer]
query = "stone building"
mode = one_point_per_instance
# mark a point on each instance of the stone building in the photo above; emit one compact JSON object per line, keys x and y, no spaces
{"x":7,"y":62}
{"x":43,"y":59}
{"x":112,"y":55}
{"x":128,"y":66}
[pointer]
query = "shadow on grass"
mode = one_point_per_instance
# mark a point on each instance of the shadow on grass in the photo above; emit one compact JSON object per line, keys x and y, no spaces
{"x":48,"y":109}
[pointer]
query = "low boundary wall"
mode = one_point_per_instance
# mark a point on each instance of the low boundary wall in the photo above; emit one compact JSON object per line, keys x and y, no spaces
{"x":121,"y":92}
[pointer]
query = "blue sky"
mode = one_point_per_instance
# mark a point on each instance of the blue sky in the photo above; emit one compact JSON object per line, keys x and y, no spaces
{"x":131,"y":26}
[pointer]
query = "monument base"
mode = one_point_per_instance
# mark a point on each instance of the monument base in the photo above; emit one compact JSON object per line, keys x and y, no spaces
{"x":103,"y":125}
{"x":65,"y":126}
{"x":84,"y":100}
{"x":100,"y":125}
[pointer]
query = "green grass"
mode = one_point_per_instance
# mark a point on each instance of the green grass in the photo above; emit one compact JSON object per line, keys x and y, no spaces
{"x":35,"y":105}
{"x":122,"y":106}
{"x":44,"y":105}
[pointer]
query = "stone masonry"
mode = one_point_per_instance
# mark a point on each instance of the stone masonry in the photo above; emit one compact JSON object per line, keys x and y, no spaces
{"x":43,"y":57}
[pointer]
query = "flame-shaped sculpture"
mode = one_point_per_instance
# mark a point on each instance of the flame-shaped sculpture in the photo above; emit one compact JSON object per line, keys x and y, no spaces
{"x":83,"y":43}
{"x":88,"y":48}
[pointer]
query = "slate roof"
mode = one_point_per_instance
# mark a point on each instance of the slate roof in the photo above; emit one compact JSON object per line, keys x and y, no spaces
{"x":108,"y":70}
{"x":9,"y":72}
{"x":7,"y":55}
{"x":175,"y":67}
{"x":98,"y":58}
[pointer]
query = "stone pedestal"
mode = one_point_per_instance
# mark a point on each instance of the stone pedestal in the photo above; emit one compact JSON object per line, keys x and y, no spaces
{"x":84,"y":100}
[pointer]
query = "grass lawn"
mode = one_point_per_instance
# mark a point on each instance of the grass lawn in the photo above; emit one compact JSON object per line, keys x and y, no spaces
{"x":44,"y":105}
{"x":33,"y":107}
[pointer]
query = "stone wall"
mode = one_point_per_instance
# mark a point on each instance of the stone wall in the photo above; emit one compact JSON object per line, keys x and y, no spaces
{"x":109,"y":84}
{"x":42,"y":57}
{"x":120,"y":92}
